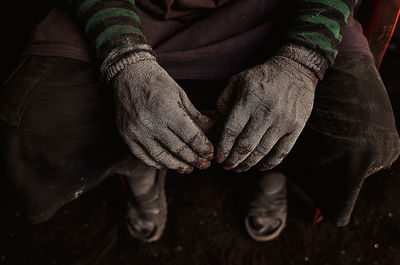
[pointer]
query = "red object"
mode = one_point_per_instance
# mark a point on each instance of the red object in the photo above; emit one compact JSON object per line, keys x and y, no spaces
{"x":123,"y":183}
{"x":391,"y":35}
{"x":373,"y":20}
{"x":379,"y":19}
{"x":317,"y":217}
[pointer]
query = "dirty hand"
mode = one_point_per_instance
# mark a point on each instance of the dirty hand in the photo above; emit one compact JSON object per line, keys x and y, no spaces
{"x":156,"y":119}
{"x":267,"y":107}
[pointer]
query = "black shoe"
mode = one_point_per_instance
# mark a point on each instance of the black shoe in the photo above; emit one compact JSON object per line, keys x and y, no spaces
{"x":267,"y":213}
{"x":146,"y":214}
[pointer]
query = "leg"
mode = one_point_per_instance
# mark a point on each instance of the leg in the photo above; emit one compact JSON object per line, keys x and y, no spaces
{"x":351,"y":134}
{"x":147,"y":205}
{"x":267,"y":213}
{"x":58,"y":136}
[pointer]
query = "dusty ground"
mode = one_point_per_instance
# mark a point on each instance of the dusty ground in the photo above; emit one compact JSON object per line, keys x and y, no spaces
{"x":205,"y":222}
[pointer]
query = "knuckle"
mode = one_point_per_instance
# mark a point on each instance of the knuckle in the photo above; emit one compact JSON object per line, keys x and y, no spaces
{"x":265,"y":109}
{"x":194,"y":139}
{"x":297,"y":122}
{"x":242,"y":148}
{"x":130,"y":129}
{"x":184,"y":122}
{"x":123,"y":127}
{"x":231,"y":131}
{"x":231,"y":162}
{"x":252,"y":160}
{"x":160,"y":156}
{"x":291,"y":121}
{"x":261,"y":150}
{"x":298,"y":128}
{"x":149,"y":162}
{"x":222,"y":150}
{"x":273,"y":161}
{"x":179,"y":149}
{"x":267,"y":165}
{"x":139,"y":155}
{"x":245,"y":165}
{"x":145,"y":122}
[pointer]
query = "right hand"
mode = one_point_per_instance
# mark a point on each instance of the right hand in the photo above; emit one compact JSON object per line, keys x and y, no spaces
{"x":157,"y":121}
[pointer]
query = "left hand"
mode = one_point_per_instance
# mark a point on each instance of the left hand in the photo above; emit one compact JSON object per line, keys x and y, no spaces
{"x":268,"y":107}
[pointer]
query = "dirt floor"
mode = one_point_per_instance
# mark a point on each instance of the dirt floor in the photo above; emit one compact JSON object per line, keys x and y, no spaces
{"x":205,"y":222}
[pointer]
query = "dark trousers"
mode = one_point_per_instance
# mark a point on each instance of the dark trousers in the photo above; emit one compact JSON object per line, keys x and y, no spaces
{"x":59,"y":139}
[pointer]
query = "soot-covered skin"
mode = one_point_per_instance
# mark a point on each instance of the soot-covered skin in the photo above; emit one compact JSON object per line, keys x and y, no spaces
{"x":266,"y":109}
{"x":156,"y":119}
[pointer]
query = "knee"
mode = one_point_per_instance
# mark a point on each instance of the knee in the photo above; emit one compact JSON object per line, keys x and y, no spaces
{"x":361,"y":123}
{"x":50,"y":93}
{"x":383,"y":151}
{"x":373,"y":151}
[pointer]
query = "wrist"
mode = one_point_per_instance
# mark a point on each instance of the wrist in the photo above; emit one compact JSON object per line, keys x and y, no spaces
{"x":312,"y":60}
{"x":121,"y":59}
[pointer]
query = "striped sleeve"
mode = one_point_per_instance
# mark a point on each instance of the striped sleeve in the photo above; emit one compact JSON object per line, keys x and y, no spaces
{"x":112,"y":27}
{"x":318,"y":25}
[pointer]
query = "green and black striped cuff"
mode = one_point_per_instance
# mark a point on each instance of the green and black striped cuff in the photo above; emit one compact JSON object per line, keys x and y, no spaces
{"x":318,"y":25}
{"x":111,"y":26}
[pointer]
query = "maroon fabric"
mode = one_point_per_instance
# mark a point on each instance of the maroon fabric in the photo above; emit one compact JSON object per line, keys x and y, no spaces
{"x":58,"y":35}
{"x":180,"y":9}
{"x":213,"y":40}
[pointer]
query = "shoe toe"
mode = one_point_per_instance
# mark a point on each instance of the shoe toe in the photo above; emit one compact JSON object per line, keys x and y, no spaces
{"x":145,"y":231}
{"x":264,"y":225}
{"x":264,"y":228}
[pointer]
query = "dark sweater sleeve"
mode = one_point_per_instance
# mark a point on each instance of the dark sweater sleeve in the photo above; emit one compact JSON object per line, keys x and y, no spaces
{"x":112,"y":27}
{"x":318,"y":24}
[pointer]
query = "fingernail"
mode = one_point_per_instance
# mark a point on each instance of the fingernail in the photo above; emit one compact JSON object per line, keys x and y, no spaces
{"x":205,"y":165}
{"x":263,"y":169}
{"x":210,"y":157}
{"x":226,"y":167}
{"x":188,"y":170}
{"x":238,"y":170}
{"x":210,"y":150}
{"x":219,"y":160}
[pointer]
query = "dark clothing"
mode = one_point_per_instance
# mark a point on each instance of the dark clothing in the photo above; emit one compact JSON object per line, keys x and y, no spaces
{"x":113,"y":27}
{"x":350,"y":135}
{"x":209,"y":44}
{"x":59,"y":140}
{"x":58,"y":135}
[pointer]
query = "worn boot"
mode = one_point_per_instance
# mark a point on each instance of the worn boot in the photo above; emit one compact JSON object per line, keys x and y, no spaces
{"x":267,"y":213}
{"x":146,"y":213}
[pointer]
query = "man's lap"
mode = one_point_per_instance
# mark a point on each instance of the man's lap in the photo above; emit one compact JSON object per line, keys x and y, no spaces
{"x":59,"y":138}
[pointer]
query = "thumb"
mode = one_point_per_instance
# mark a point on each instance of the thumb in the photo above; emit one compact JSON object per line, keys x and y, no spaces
{"x":204,"y":122}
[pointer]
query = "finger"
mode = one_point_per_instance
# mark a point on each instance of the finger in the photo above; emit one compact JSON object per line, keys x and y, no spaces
{"x":204,"y":122}
{"x":191,"y":134}
{"x":234,"y":125}
{"x":141,"y":153}
{"x":247,"y":141}
{"x":279,"y":151}
{"x":180,"y":149}
{"x":164,"y":157}
{"x":226,"y":99}
{"x":267,"y":142}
